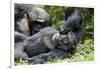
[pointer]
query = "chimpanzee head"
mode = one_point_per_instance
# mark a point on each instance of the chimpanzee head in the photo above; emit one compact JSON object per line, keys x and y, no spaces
{"x":60,"y":38}
{"x":65,"y":42}
{"x":38,"y":19}
{"x":73,"y":21}
{"x":61,"y":41}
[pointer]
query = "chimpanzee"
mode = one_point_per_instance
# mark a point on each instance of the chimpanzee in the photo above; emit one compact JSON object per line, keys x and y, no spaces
{"x":48,"y":44}
{"x":49,"y":40}
{"x":30,"y":19}
{"x":40,"y":42}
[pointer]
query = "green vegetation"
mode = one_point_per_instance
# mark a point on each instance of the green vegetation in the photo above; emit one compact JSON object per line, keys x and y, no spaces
{"x":85,"y":49}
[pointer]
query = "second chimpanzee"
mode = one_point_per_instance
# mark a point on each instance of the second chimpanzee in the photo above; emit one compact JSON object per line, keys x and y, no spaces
{"x":30,"y":19}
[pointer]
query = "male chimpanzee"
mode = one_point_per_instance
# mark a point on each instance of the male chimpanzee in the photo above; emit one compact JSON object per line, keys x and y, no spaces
{"x":30,"y":19}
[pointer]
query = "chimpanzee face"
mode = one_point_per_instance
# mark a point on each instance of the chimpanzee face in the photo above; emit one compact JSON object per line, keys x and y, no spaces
{"x":38,"y":18}
{"x":36,"y":27}
{"x":60,"y":39}
{"x":35,"y":24}
{"x":64,"y":41}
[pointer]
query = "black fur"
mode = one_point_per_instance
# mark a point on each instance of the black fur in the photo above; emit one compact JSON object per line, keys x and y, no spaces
{"x":73,"y":21}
